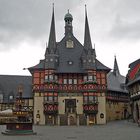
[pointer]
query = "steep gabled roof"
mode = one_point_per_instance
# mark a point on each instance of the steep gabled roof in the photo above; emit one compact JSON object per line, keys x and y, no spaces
{"x":116,"y":83}
{"x":70,"y":54}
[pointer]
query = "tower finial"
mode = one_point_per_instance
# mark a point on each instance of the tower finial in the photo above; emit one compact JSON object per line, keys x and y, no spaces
{"x":85,"y":9}
{"x":53,"y":7}
{"x":116,"y":68}
{"x":68,"y":10}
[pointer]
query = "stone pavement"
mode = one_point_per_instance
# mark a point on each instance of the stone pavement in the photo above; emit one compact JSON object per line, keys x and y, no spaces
{"x":117,"y":130}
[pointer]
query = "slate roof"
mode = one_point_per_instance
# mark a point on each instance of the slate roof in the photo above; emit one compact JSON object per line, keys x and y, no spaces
{"x":101,"y":66}
{"x":40,"y":65}
{"x":73,"y":55}
{"x":9,"y":86}
{"x":115,"y":81}
{"x":70,"y":54}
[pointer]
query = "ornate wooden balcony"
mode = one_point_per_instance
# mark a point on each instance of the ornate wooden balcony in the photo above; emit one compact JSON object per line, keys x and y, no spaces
{"x":121,"y":99}
{"x":50,"y":108}
{"x":91,"y":108}
{"x":69,"y":87}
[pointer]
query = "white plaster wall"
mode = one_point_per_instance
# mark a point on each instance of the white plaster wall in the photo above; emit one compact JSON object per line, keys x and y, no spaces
{"x":38,"y":105}
{"x":101,"y":109}
{"x":79,"y":104}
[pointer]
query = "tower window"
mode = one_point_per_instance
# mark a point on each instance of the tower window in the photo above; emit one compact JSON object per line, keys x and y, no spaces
{"x":84,"y":61}
{"x":51,"y":59}
{"x":75,"y":81}
{"x":85,"y":78}
{"x":56,"y":77}
{"x":70,"y":62}
{"x":70,"y":81}
{"x":89,"y":60}
{"x":65,"y":81}
{"x":46,"y":77}
{"x":11,"y":97}
{"x":50,"y":77}
{"x":90,"y":77}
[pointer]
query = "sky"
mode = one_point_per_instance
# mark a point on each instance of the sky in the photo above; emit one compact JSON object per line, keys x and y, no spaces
{"x":25,"y":26}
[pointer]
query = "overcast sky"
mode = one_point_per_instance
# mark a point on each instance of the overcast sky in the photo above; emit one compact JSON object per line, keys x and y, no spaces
{"x":25,"y":26}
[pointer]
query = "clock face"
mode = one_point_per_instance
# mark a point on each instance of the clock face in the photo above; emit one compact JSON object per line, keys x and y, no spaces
{"x":69,"y":44}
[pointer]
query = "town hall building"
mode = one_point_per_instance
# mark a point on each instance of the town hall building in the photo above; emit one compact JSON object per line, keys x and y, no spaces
{"x":70,"y":85}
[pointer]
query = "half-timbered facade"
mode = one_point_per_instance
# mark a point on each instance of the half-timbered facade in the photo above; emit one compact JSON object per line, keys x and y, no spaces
{"x":70,"y":84}
{"x":9,"y":90}
{"x":133,"y":83}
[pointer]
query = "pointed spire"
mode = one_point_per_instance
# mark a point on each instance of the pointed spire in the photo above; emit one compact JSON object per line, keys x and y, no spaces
{"x":116,"y":68}
{"x":52,"y":37}
{"x":87,"y":38}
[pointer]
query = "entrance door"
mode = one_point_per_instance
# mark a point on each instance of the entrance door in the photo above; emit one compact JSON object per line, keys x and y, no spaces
{"x":92,"y":119}
{"x":49,"y":120}
{"x":72,"y":120}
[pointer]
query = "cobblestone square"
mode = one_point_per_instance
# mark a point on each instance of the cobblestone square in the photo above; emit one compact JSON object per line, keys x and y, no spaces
{"x":117,"y":130}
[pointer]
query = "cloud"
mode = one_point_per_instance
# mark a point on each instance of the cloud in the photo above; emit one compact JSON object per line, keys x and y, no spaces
{"x":124,"y":29}
{"x":20,"y":19}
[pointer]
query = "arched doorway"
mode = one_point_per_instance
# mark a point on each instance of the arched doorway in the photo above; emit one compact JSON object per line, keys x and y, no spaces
{"x":72,"y":120}
{"x":137,"y":112}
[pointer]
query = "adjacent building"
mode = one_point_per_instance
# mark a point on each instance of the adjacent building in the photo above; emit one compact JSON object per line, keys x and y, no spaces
{"x":117,"y":97}
{"x":133,"y":83}
{"x":9,"y":85}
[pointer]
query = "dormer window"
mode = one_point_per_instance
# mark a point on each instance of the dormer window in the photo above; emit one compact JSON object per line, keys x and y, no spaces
{"x":89,"y":60}
{"x":69,"y":44}
{"x":84,"y":61}
{"x":11,"y":97}
{"x":70,"y":62}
